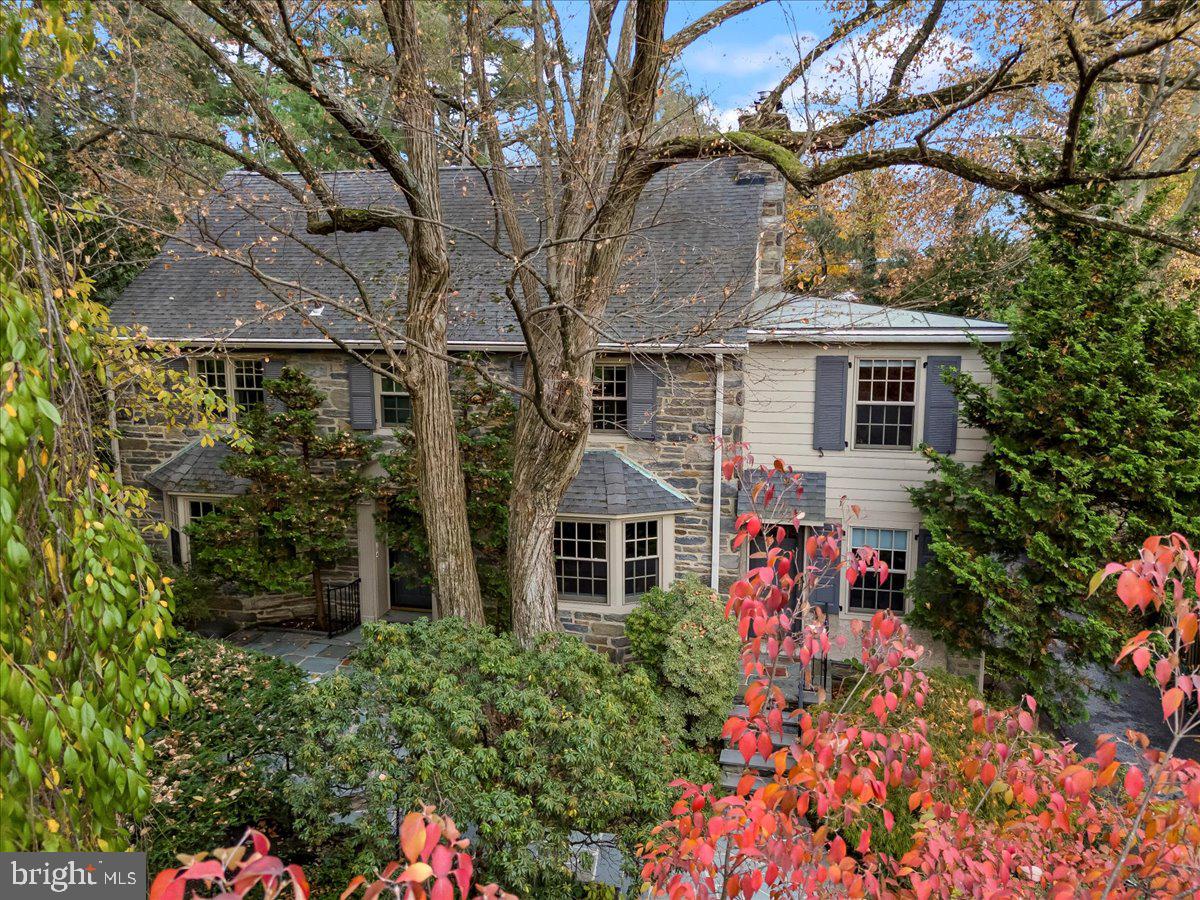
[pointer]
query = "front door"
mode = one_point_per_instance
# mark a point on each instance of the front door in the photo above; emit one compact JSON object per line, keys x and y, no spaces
{"x":405,"y":592}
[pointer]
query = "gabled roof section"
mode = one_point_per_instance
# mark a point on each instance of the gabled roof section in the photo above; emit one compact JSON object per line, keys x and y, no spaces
{"x":611,"y":484}
{"x":844,"y":318}
{"x":196,"y":469}
{"x":688,"y":269}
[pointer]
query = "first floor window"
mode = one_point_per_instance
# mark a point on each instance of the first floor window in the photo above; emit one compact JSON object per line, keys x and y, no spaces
{"x":867,"y":594}
{"x":610,"y":398}
{"x":581,"y":560}
{"x":190,"y":510}
{"x":395,"y":406}
{"x":248,"y":383}
{"x":885,"y":405}
{"x":198,"y":509}
{"x":641,"y":557}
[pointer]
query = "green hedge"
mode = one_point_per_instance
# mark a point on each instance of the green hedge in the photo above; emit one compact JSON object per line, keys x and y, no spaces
{"x":222,"y":765}
{"x":524,"y":745}
{"x":690,"y":648}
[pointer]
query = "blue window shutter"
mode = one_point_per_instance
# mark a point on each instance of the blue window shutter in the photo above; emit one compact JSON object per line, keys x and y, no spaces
{"x":941,"y":406}
{"x":518,"y":371}
{"x":924,"y":548}
{"x":829,"y":407}
{"x":177,"y":363}
{"x":362,"y":396}
{"x":272,"y":370}
{"x":643,"y":400}
{"x":825,"y":593}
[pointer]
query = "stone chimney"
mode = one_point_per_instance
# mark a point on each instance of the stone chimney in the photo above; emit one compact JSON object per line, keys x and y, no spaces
{"x":769,"y":263}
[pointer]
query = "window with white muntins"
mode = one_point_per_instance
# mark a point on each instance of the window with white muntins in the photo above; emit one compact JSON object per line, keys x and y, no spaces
{"x":610,"y":398}
{"x":885,"y":403}
{"x":395,"y":405}
{"x":869,"y":593}
{"x":245,"y":376}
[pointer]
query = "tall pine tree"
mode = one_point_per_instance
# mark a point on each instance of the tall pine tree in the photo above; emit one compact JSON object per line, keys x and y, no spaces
{"x":1094,"y":422}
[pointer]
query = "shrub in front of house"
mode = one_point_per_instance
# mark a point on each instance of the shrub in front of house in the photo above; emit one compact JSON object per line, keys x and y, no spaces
{"x":523,"y":747}
{"x":690,"y":648}
{"x":221,"y":766}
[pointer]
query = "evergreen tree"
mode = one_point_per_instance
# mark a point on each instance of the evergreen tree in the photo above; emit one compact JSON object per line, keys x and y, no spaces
{"x":298,"y":514}
{"x":1094,"y":422}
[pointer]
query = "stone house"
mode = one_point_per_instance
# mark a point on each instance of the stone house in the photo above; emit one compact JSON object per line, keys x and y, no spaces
{"x":700,"y":341}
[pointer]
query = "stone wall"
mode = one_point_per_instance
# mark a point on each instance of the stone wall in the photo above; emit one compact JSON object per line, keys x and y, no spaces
{"x":145,"y":445}
{"x":602,"y":631}
{"x":682,"y":455}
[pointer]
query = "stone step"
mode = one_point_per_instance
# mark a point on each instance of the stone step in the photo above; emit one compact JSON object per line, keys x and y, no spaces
{"x":732,"y":759}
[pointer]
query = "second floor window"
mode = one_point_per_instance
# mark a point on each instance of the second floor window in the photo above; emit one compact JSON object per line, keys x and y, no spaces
{"x":885,"y":404}
{"x":248,"y":383}
{"x":610,"y":398}
{"x":245,"y":376}
{"x":395,"y":406}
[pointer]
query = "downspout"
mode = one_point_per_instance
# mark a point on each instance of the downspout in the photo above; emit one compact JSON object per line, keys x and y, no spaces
{"x":114,"y":436}
{"x":718,"y":430}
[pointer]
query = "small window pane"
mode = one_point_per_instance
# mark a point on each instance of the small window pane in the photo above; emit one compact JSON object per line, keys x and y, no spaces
{"x":248,"y":383}
{"x":867,"y":594}
{"x":212,"y":373}
{"x":581,"y":560}
{"x":610,"y":398}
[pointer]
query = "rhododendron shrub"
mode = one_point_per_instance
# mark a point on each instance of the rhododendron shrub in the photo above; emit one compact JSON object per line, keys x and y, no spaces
{"x":436,"y":865}
{"x":1017,"y":815}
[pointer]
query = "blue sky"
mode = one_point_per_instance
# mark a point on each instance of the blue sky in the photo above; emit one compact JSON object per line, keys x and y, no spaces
{"x":743,"y":56}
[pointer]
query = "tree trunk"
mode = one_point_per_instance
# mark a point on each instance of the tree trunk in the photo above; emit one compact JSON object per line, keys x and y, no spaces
{"x":542,"y":472}
{"x":443,"y":492}
{"x":439,"y":466}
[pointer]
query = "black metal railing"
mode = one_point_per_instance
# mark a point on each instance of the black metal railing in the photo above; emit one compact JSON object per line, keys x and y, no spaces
{"x":342,"y":609}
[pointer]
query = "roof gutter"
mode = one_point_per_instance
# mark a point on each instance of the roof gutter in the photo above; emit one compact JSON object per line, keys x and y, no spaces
{"x":880,"y":336}
{"x":497,"y":346}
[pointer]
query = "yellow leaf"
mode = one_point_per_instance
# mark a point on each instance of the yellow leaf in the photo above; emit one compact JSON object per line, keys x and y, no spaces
{"x":53,"y":656}
{"x":52,"y":824}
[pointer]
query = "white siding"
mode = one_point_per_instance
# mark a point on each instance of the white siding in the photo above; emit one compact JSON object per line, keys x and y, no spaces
{"x":779,"y":403}
{"x":780,"y":391}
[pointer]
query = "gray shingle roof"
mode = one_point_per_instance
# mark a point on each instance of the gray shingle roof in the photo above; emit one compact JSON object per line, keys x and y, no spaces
{"x":196,"y":469}
{"x":691,"y":257}
{"x":784,"y":503}
{"x":803,"y":317}
{"x":610,"y":484}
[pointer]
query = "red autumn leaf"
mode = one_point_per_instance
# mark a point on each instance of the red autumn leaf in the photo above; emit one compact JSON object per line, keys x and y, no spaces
{"x":1141,"y":659}
{"x":166,"y":887}
{"x":412,"y":836}
{"x":1171,"y":701}
{"x":1134,"y":782}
